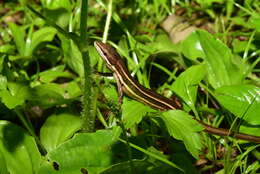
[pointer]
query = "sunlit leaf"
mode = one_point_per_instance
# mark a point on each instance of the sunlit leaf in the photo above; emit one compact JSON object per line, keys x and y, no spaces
{"x":254,"y":21}
{"x":191,"y":47}
{"x":58,"y":128}
{"x":110,"y":93}
{"x":72,"y":55}
{"x":53,"y":73}
{"x":19,"y":36}
{"x":133,"y":112}
{"x":3,"y":166}
{"x":73,"y":89}
{"x":181,"y":126}
{"x":44,"y":34}
{"x":244,"y":102}
{"x":186,"y":85}
{"x":208,"y":2}
{"x":89,"y":151}
{"x":218,"y":59}
{"x":56,"y":4}
{"x":3,"y":82}
{"x":15,"y":95}
{"x":19,"y":149}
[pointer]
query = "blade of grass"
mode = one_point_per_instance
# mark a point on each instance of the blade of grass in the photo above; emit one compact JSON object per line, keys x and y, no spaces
{"x":153,"y":155}
{"x":108,"y":20}
{"x":72,"y":36}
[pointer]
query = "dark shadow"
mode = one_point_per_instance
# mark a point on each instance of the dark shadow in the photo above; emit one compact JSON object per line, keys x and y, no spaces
{"x":12,"y":136}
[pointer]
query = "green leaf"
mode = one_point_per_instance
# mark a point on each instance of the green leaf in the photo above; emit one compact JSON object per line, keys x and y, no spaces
{"x":133,"y":112}
{"x":19,"y":149}
{"x":57,"y":129}
{"x":88,"y":151}
{"x":56,"y":4}
{"x":239,"y":46}
{"x":73,"y":89}
{"x":186,"y":85}
{"x":191,"y":47}
{"x":181,"y":126}
{"x":93,"y":54}
{"x":48,"y":95}
{"x":254,"y":21}
{"x":208,"y":2}
{"x":3,"y":166}
{"x":164,"y":44}
{"x":16,"y":94}
{"x":3,"y":82}
{"x":7,"y":49}
{"x":53,"y":73}
{"x":244,"y":102}
{"x":19,"y":36}
{"x":72,"y":55}
{"x":2,"y":62}
{"x":110,"y":92}
{"x":61,"y":16}
{"x":45,"y":34}
{"x":218,"y":59}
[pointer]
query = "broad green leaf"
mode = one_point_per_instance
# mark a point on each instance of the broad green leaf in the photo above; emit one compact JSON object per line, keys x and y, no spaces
{"x":57,"y":129}
{"x":19,"y":36}
{"x":191,"y":47}
{"x":9,"y":100}
{"x":7,"y":49}
{"x":48,"y":95}
{"x":15,"y":95}
{"x":181,"y":126}
{"x":218,"y":59}
{"x":89,"y":151}
{"x":42,"y":35}
{"x":73,"y":89}
{"x":61,"y":16}
{"x":244,"y":102}
{"x":93,"y":54}
{"x":133,"y":112}
{"x":72,"y":55}
{"x":19,"y":149}
{"x":186,"y":85}
{"x":110,"y":93}
{"x":3,"y":166}
{"x":53,"y":73}
{"x":56,"y":4}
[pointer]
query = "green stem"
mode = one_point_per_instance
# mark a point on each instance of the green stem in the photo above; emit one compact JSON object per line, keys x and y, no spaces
{"x":108,"y":20}
{"x":87,"y":114}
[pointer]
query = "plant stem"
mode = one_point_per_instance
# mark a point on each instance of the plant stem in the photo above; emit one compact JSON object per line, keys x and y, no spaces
{"x":87,"y":114}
